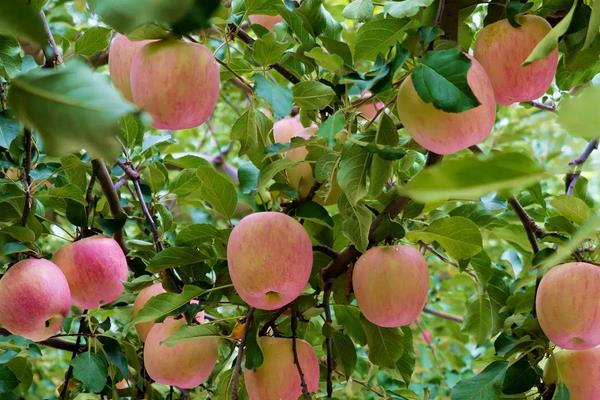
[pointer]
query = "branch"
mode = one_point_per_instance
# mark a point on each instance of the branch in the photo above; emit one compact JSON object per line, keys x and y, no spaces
{"x":295,"y":353}
{"x":572,"y":177}
{"x":27,"y":144}
{"x":53,"y":57}
{"x":65,"y":390}
{"x":542,"y":106}
{"x":531,"y":227}
{"x":441,"y":314}
{"x":329,"y":341}
{"x":237,"y":369}
{"x":328,"y":251}
{"x":112,"y":197}
{"x":53,"y":342}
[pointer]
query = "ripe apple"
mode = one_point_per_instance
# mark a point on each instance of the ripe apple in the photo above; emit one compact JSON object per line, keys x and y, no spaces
{"x":268,"y":21}
{"x":140,"y":301}
{"x":369,"y":110}
{"x":445,"y":132}
{"x":579,"y":371}
{"x":186,"y":364}
{"x":120,"y":56}
{"x":34,"y":299}
{"x":270,"y":259}
{"x":278,"y":378}
{"x":176,"y":82}
{"x":567,"y":305}
{"x":95,"y":268}
{"x":501,"y":49}
{"x":390,"y":285}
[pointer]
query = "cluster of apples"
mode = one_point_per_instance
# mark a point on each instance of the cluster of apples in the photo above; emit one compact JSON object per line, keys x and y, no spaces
{"x":568,"y":310}
{"x":176,"y":82}
{"x":36,"y":294}
{"x":496,"y":75}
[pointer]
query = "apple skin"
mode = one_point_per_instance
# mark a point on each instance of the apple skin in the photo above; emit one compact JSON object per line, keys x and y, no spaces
{"x":176,"y":82}
{"x":566,"y":307}
{"x":140,"y":301}
{"x":120,"y":56}
{"x":390,"y":285}
{"x":95,"y":268}
{"x":369,"y":110}
{"x":579,"y":371}
{"x":278,"y":378}
{"x":268,"y":21}
{"x":445,"y":132}
{"x":186,"y":364}
{"x":33,"y":292}
{"x":270,"y":259}
{"x":501,"y":49}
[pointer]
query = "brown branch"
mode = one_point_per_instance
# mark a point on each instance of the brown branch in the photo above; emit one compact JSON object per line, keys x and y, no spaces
{"x":237,"y":369}
{"x":53,"y":57}
{"x":542,"y":106}
{"x":27,"y":145}
{"x":329,"y":341}
{"x":52,"y":342}
{"x":531,"y":227}
{"x":572,"y":177}
{"x":65,"y":390}
{"x":112,"y":197}
{"x":441,"y":314}
{"x":328,"y":251}
{"x":295,"y":353}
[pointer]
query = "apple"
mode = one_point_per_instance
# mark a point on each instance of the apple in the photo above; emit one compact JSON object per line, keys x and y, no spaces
{"x":34,"y":299}
{"x":140,"y":301}
{"x":369,"y":110}
{"x":268,"y":21}
{"x":176,"y":82}
{"x":579,"y":371}
{"x":390,"y":285}
{"x":445,"y":132}
{"x":278,"y":377}
{"x":185,"y":364}
{"x":120,"y":56}
{"x":567,"y":305}
{"x":95,"y":268}
{"x":270,"y":259}
{"x":501,"y":49}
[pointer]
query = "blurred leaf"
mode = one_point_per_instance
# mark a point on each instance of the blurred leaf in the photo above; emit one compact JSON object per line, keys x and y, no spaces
{"x":573,"y":208}
{"x":405,"y":8}
{"x":578,"y":115}
{"x":8,"y":380}
{"x":331,"y":127}
{"x":479,"y":319}
{"x":91,"y":370}
{"x":485,"y":386}
{"x":330,"y":62}
{"x":359,"y":10}
{"x":196,"y":235}
{"x":93,"y":40}
{"x":22,"y":19}
{"x":312,"y":95}
{"x":160,"y":306}
{"x":594,"y":25}
{"x":189,"y":332}
{"x":268,"y":51}
{"x":9,"y":130}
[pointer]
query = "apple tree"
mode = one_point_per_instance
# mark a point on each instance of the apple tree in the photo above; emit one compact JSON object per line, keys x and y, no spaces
{"x":284,"y":199}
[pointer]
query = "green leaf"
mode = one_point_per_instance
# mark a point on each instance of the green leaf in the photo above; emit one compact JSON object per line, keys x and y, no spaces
{"x":459,"y":236}
{"x":573,"y":208}
{"x":565,"y":249}
{"x":357,"y":223}
{"x":218,"y":190}
{"x":8,"y":380}
{"x":479,"y":320}
{"x":331,"y":127}
{"x":385,"y":344}
{"x":196,"y":235}
{"x":189,"y":332}
{"x":578,"y":114}
{"x":67,"y":192}
{"x":174,"y":257}
{"x":93,"y":40}
{"x":470,"y":177}
{"x":405,"y":8}
{"x":279,"y":97}
{"x":406,"y":363}
{"x":353,"y":171}
{"x":245,"y":131}
{"x":550,"y":41}
{"x":224,"y":386}
{"x":312,"y":95}
{"x":520,"y":377}
{"x":441,"y":79}
{"x":19,"y":233}
{"x":268,"y":51}
{"x":22,"y":19}
{"x":86,"y":109}
{"x":593,"y":26}
{"x":485,"y":386}
{"x":345,"y":353}
{"x":248,"y":177}
{"x":160,"y":306}
{"x":359,"y":10}
{"x":9,"y":130}
{"x":10,"y":57}
{"x":350,"y":320}
{"x":271,"y":170}
{"x":561,"y":393}
{"x":115,"y":354}
{"x":377,"y":36}
{"x":132,"y":131}
{"x":330,"y":62}
{"x":381,"y":169}
{"x":91,"y":370}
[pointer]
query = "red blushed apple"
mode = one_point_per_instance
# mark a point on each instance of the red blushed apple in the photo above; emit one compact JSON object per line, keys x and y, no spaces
{"x":268,"y":21}
{"x":142,"y":298}
{"x":445,"y":132}
{"x":568,"y":305}
{"x":95,"y":268}
{"x":176,"y":82}
{"x":34,"y":299}
{"x":501,"y":49}
{"x":369,"y":110}
{"x":185,"y":364}
{"x":270,"y":256}
{"x":390,"y":285}
{"x":579,"y":371}
{"x":278,"y":378}
{"x":120,"y":57}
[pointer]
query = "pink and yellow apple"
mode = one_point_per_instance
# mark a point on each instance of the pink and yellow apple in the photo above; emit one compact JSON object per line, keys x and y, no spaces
{"x":270,"y":259}
{"x":369,"y":110}
{"x":185,"y":364}
{"x":579,"y":371}
{"x":268,"y":21}
{"x":278,"y":378}
{"x":120,"y":56}
{"x":34,"y":299}
{"x":390,"y":285}
{"x":567,"y":307}
{"x":445,"y":132}
{"x":95,"y":268}
{"x":140,"y":301}
{"x":501,"y":49}
{"x":176,"y":82}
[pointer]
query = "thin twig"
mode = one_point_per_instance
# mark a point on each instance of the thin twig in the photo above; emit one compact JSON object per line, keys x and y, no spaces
{"x":441,"y":314}
{"x":542,"y":106}
{"x":27,"y":144}
{"x":572,"y":177}
{"x":295,"y":352}
{"x":531,"y":227}
{"x":328,"y":251}
{"x":65,"y":390}
{"x":52,"y":342}
{"x":53,"y":57}
{"x":329,"y":341}
{"x":237,"y":369}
